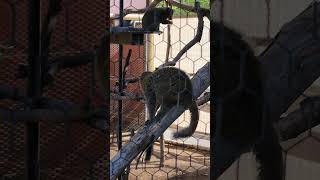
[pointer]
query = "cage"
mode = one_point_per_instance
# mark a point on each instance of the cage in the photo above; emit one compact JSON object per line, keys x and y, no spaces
{"x":275,"y":34}
{"x":67,"y":150}
{"x":171,"y":158}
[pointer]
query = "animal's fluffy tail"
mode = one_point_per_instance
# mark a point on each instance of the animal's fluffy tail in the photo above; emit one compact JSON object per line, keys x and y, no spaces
{"x":269,"y":155}
{"x":188,"y":131}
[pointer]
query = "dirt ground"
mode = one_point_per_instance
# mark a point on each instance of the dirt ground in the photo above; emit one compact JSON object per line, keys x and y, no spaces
{"x":179,"y":163}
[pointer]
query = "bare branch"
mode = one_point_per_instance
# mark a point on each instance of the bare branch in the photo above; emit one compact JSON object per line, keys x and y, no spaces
{"x":130,"y":11}
{"x":178,"y":4}
{"x":186,"y":7}
{"x":168,"y":43}
{"x":301,"y":120}
{"x":289,"y":66}
{"x":195,"y":40}
{"x":203,"y":99}
{"x":150,"y":133}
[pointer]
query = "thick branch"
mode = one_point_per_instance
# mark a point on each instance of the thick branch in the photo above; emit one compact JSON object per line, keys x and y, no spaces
{"x":300,"y":120}
{"x":290,"y":65}
{"x":203,"y":99}
{"x":297,"y":122}
{"x":152,"y":132}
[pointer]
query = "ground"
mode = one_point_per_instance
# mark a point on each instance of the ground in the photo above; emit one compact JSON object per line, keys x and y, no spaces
{"x":180,"y":163}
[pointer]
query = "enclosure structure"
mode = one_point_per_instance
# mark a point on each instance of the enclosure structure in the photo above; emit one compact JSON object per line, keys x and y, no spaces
{"x":285,"y":39}
{"x":67,"y":149}
{"x":171,"y":157}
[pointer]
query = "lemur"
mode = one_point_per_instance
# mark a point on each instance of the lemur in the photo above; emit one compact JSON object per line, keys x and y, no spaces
{"x":166,"y":88}
{"x":238,"y":82}
{"x":153,"y":17}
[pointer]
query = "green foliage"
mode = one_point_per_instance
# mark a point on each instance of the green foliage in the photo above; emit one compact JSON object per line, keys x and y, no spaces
{"x":182,"y":13}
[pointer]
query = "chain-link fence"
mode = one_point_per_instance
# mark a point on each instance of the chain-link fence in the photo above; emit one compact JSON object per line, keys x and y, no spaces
{"x":67,"y":150}
{"x":171,"y":158}
{"x":282,"y":35}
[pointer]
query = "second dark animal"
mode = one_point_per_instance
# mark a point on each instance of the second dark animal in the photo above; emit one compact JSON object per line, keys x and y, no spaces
{"x":153,"y":17}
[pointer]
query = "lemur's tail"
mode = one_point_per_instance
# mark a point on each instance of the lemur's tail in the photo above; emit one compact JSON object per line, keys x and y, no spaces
{"x":269,"y":155}
{"x":188,"y":131}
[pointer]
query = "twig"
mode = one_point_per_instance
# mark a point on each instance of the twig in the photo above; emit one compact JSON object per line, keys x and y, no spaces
{"x":195,"y":40}
{"x":204,"y":11}
{"x":168,"y":39}
{"x":203,"y":99}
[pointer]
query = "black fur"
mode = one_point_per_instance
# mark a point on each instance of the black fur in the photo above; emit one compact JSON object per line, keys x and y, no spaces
{"x":153,"y":17}
{"x":242,"y":92}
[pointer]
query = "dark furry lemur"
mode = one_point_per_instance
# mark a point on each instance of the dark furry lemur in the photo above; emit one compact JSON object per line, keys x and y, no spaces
{"x":239,"y":85}
{"x":153,"y":17}
{"x":166,"y":88}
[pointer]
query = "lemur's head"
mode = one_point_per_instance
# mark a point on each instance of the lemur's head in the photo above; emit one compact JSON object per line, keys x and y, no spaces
{"x":169,"y":11}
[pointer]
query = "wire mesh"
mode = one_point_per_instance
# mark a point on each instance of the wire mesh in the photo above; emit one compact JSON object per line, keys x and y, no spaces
{"x":67,"y":150}
{"x":182,"y":157}
{"x":259,"y":24}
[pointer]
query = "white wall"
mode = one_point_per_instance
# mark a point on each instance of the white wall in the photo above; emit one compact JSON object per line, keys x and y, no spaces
{"x":249,"y":18}
{"x":182,"y":31}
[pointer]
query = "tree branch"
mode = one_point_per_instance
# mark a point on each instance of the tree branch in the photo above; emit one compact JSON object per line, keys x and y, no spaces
{"x":195,"y":40}
{"x":203,"y":99}
{"x":186,"y":7}
{"x":291,"y":62}
{"x":289,"y":66}
{"x":150,"y":133}
{"x":300,"y":120}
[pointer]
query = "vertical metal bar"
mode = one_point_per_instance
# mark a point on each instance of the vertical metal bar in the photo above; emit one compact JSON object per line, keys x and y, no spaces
{"x":120,"y":84}
{"x":67,"y":24}
{"x":34,"y":88}
{"x":13,"y":24}
{"x":120,"y":81}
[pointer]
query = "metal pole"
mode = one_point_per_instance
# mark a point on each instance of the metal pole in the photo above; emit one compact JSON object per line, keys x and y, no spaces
{"x":120,"y":84}
{"x":120,"y":81}
{"x":34,"y":88}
